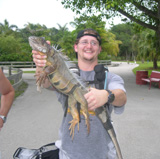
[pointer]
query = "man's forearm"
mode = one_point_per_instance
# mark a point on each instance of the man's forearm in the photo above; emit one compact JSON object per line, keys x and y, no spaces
{"x":120,"y":97}
{"x":6,"y":102}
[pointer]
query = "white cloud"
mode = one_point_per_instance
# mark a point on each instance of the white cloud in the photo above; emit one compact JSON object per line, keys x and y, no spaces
{"x":44,"y":12}
{"x":48,"y":12}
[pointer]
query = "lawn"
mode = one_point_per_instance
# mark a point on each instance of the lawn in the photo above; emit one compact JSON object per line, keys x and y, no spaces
{"x":148,"y":66}
{"x":29,"y":72}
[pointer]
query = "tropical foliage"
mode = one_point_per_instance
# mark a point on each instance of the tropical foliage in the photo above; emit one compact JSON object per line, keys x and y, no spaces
{"x":110,"y":46}
{"x":146,"y":13}
{"x":144,"y":44}
{"x":124,"y":33}
{"x":128,"y":41}
{"x":14,"y":43}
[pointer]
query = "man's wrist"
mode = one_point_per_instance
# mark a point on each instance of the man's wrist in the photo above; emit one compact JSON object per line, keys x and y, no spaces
{"x":4,"y":118}
{"x":111,"y":96}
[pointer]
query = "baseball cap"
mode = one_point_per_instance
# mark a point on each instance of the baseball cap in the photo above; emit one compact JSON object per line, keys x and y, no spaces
{"x":89,"y":32}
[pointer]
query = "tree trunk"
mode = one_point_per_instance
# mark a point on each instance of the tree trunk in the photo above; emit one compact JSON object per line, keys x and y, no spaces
{"x":155,"y":59}
{"x":155,"y":66}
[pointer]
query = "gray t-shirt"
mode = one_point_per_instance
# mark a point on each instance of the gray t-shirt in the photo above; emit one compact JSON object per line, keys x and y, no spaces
{"x":97,"y":144}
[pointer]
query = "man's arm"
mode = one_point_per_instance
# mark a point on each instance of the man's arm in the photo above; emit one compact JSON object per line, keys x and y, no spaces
{"x":40,"y":61}
{"x":7,"y":96}
{"x":120,"y":97}
{"x":97,"y":98}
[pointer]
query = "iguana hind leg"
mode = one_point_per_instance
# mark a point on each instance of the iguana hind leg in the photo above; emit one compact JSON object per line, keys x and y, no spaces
{"x":72,"y":105}
{"x":79,"y":96}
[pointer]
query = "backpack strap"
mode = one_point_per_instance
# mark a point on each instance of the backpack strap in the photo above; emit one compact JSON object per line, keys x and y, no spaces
{"x":105,"y":82}
{"x":100,"y":80}
{"x":100,"y":76}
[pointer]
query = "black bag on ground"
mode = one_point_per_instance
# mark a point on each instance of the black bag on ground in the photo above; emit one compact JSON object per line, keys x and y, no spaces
{"x":49,"y":151}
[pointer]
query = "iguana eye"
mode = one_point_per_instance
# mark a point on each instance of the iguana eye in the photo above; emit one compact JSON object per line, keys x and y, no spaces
{"x":42,"y":49}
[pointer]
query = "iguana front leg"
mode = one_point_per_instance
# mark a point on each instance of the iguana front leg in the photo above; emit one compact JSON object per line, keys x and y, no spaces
{"x":43,"y":75}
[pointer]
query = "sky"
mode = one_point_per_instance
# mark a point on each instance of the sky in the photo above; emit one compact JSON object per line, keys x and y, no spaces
{"x":44,"y":12}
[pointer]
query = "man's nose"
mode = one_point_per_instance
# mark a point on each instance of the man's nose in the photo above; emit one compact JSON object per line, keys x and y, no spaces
{"x":89,"y":44}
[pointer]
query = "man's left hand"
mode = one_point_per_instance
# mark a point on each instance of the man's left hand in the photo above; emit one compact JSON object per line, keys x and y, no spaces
{"x":96,"y":98}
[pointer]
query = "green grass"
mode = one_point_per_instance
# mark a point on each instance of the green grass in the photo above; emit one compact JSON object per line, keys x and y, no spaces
{"x":21,"y":89}
{"x":148,"y":66}
{"x":29,"y":71}
{"x":23,"y":86}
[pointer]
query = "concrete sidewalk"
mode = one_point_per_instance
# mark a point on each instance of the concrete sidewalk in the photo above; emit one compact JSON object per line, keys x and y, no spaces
{"x":35,"y":118}
{"x":138,"y":127}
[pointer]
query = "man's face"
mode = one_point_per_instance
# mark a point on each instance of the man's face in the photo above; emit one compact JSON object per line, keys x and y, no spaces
{"x":87,"y":48}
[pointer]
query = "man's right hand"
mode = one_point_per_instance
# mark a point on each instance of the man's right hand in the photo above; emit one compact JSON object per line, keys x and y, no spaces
{"x":39,"y":60}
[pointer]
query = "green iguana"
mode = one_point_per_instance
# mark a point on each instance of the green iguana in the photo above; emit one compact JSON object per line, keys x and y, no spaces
{"x":63,"y":80}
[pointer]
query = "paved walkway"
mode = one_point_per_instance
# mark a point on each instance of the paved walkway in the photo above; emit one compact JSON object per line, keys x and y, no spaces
{"x":35,"y":118}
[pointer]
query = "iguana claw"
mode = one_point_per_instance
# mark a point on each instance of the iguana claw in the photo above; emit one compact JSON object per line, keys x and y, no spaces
{"x":73,"y":123}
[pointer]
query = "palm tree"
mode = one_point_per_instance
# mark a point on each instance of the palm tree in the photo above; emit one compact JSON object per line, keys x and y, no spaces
{"x":62,"y":31}
{"x":7,"y":29}
{"x":144,"y":44}
{"x":147,"y":46}
{"x":35,"y":29}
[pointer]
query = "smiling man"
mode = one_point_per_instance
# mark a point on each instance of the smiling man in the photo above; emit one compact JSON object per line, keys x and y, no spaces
{"x":88,"y":47}
{"x":96,"y":144}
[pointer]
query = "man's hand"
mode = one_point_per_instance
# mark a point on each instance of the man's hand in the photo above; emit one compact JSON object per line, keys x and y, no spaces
{"x":39,"y":60}
{"x":96,"y":98}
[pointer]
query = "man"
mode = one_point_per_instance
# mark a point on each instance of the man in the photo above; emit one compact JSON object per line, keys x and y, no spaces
{"x":7,"y":97}
{"x":96,"y":145}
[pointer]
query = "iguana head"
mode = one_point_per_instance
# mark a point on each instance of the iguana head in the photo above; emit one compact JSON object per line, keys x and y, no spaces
{"x":39,"y":44}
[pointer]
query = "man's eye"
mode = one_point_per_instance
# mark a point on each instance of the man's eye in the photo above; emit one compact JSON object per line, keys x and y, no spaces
{"x":84,"y":42}
{"x":93,"y":43}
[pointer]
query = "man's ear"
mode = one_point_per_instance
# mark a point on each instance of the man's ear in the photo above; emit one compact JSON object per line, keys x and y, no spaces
{"x":100,"y":49}
{"x":75,"y":47}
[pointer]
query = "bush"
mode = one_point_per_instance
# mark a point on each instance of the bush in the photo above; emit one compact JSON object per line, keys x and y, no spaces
{"x":16,"y":57}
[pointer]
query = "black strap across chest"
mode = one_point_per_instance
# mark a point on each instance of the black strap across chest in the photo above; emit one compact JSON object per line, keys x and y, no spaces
{"x":98,"y":81}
